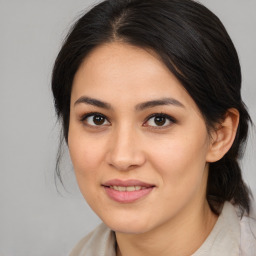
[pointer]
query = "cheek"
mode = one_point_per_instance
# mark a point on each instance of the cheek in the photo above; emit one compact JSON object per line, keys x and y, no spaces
{"x":86,"y":155}
{"x":86,"y":158}
{"x":181,"y":162}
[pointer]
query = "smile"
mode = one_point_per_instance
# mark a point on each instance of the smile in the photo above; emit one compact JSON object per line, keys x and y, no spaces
{"x":127,"y":191}
{"x":130,"y":188}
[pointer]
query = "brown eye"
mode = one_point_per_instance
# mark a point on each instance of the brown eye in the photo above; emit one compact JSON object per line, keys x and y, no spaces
{"x":159,"y":120}
{"x":98,"y":120}
{"x":95,"y":119}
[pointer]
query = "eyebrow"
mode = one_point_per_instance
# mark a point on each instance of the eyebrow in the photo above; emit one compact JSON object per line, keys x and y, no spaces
{"x":139,"y":107}
{"x":160,"y":102}
{"x":94,"y":102}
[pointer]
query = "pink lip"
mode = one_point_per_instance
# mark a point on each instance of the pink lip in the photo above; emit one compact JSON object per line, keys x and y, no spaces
{"x":127,"y":196}
{"x":127,"y":183}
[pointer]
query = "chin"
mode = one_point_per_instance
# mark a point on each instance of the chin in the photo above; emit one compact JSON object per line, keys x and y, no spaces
{"x":130,"y":230}
{"x":128,"y":226}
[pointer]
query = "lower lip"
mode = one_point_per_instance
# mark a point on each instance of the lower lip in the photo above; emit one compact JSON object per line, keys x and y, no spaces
{"x":127,"y":196}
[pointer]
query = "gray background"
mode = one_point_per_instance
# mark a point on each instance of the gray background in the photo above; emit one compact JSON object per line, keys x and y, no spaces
{"x":34,"y":218}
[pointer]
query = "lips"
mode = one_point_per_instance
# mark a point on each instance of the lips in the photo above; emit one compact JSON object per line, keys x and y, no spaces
{"x":127,"y":191}
{"x":127,"y":183}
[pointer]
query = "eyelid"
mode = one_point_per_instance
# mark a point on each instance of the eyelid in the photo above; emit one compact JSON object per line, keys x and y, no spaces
{"x":168,"y":117}
{"x":87,"y":115}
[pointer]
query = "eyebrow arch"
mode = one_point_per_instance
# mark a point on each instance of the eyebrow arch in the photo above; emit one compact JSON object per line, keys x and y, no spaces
{"x":160,"y":102}
{"x":139,"y":107}
{"x":94,"y":102}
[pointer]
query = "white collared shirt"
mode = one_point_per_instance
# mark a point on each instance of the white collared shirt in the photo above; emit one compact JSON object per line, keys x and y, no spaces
{"x":231,"y":236}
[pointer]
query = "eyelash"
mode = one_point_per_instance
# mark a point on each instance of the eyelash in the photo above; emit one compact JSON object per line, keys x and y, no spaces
{"x":161,"y":115}
{"x":172,"y":120}
{"x":91,"y":114}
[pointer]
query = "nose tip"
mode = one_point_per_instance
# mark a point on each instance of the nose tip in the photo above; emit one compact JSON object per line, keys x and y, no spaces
{"x":125,"y":154}
{"x":122,"y":165}
{"x":125,"y":160}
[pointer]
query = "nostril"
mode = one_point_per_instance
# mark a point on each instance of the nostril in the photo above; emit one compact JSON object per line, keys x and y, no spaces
{"x":124,"y":156}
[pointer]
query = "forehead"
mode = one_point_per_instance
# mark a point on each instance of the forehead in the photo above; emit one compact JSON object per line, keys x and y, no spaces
{"x":132,"y":73}
{"x":122,"y":59}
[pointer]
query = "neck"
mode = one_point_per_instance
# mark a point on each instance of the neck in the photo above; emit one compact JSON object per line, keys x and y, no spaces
{"x":170,"y":238}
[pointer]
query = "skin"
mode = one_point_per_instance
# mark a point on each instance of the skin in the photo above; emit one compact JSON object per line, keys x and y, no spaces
{"x":129,"y":144}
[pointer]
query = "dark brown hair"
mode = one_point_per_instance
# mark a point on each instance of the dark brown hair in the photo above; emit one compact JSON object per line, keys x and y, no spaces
{"x":194,"y":45}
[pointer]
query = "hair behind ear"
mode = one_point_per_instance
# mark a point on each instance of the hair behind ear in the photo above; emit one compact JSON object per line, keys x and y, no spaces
{"x":225,"y":182}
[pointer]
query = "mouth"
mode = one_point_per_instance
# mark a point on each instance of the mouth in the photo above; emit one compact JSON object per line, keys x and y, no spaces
{"x":127,"y":191}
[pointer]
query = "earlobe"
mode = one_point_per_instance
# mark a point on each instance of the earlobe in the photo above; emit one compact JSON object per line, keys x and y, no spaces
{"x":223,"y":136}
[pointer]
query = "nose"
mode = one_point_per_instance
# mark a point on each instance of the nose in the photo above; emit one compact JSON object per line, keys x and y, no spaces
{"x":125,"y":150}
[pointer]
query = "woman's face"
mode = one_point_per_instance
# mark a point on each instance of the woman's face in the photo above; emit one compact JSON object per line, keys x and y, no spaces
{"x":137,"y":140}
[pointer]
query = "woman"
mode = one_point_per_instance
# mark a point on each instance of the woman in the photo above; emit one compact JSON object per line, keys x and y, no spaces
{"x":148,"y":92}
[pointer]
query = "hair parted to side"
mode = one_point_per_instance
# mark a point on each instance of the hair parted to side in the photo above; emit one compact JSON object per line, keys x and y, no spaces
{"x":194,"y":45}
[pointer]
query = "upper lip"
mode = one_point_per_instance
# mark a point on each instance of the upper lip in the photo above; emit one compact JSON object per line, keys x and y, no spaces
{"x":127,"y":183}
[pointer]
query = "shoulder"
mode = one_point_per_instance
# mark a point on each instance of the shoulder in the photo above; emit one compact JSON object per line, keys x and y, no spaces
{"x":248,"y":235}
{"x":233,"y":234}
{"x":100,"y":242}
{"x":247,"y":226}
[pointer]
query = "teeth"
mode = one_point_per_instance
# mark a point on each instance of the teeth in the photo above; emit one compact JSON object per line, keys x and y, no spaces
{"x":130,"y":188}
{"x":119,"y":188}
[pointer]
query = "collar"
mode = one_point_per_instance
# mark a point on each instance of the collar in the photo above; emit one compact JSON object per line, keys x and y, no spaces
{"x":224,"y":239}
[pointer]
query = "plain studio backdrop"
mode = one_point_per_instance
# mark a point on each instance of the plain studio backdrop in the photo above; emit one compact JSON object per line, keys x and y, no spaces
{"x":35,"y":220}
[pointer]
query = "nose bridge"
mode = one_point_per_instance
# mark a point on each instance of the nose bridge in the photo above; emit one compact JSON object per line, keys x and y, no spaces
{"x":125,"y":150}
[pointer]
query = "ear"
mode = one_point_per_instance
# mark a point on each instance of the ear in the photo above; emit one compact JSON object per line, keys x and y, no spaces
{"x":223,"y":136}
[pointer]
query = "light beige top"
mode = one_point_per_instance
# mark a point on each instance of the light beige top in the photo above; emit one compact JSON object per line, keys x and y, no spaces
{"x":231,"y":236}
